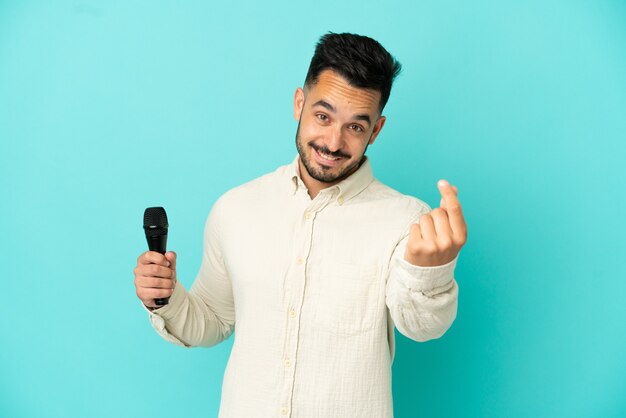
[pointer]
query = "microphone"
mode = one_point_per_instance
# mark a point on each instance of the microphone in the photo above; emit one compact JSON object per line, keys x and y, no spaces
{"x":155,"y":226}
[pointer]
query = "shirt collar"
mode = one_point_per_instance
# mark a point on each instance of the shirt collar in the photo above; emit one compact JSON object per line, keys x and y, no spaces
{"x":349,"y":187}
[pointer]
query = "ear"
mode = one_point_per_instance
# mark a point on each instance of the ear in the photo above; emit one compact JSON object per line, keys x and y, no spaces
{"x":298,"y":103}
{"x":378,"y":126}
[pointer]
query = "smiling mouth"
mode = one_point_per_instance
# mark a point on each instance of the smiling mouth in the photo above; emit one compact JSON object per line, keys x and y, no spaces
{"x":327,"y":161}
{"x":327,"y":157}
{"x":324,"y":157}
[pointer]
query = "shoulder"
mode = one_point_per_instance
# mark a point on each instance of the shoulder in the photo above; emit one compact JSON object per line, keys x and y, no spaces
{"x":254,"y":192}
{"x":396,"y":203}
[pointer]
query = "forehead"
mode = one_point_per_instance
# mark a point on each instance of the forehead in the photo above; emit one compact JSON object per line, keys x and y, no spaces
{"x":336,"y":90}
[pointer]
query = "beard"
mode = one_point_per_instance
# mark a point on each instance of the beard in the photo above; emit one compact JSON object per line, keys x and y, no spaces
{"x":324,"y":173}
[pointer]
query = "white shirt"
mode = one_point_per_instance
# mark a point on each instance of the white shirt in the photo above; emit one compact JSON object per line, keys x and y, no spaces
{"x":314,"y":288}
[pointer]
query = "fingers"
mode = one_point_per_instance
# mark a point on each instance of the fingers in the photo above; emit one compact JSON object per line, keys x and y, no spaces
{"x":152,"y":257}
{"x":448,"y":192}
{"x":148,"y":295}
{"x":152,"y":285}
{"x":415,"y":233}
{"x":434,"y":226}
{"x":441,"y":224}
{"x":150,"y":288}
{"x":155,"y":276}
{"x":452,"y":206}
{"x":440,"y":234}
{"x":154,"y":282}
{"x":430,"y":241}
{"x":171,"y":257}
{"x":427,"y":227}
{"x":442,"y":202}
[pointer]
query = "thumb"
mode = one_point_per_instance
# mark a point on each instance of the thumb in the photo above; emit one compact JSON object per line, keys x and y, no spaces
{"x":171,"y":257}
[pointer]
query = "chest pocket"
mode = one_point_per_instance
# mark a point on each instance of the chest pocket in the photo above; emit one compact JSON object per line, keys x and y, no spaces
{"x":349,"y":296}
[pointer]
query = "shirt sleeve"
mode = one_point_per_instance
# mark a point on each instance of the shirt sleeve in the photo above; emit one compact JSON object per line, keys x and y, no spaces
{"x":204,"y":315}
{"x":422,"y":301}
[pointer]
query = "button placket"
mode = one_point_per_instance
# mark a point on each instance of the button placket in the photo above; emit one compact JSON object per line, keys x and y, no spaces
{"x":293,"y":324}
{"x":303,"y":247}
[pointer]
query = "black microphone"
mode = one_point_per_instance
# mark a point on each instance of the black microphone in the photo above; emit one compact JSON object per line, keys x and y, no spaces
{"x":155,"y":225}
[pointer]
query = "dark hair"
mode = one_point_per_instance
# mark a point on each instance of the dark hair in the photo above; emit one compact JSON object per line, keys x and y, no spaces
{"x":361,"y":60}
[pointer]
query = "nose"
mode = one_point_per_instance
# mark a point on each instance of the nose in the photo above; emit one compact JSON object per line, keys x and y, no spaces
{"x":335,"y":140}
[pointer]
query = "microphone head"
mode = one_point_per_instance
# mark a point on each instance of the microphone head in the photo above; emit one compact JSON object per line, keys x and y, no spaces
{"x":155,"y":221}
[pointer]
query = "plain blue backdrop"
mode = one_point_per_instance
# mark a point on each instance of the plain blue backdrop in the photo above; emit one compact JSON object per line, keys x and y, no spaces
{"x":107,"y":107}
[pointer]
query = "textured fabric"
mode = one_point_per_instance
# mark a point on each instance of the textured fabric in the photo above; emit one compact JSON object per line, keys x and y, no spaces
{"x":314,"y":288}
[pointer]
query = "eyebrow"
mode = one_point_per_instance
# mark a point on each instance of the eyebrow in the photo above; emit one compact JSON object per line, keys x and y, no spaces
{"x":364,"y":117}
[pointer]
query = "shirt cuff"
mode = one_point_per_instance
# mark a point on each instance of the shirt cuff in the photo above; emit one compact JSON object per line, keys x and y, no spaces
{"x":160,"y":315}
{"x":425,"y":278}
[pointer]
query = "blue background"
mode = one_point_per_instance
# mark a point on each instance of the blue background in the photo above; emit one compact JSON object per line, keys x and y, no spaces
{"x":107,"y":107}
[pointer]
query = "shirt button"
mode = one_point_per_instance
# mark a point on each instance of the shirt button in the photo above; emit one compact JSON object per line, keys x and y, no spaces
{"x":287,"y":363}
{"x":300,"y":261}
{"x":292,"y":313}
{"x":308,"y":215}
{"x":283,"y":410}
{"x":340,"y":200}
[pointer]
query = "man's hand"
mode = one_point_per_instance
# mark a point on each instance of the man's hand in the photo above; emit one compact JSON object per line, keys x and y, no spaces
{"x":155,"y":276}
{"x":440,"y":234}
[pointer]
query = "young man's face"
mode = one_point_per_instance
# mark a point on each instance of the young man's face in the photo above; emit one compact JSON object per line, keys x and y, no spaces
{"x":336,"y":124}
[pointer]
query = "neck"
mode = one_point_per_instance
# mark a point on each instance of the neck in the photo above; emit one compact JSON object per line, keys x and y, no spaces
{"x":315,"y":186}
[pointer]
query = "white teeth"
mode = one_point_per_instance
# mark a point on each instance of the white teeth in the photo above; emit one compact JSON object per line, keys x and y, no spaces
{"x":327,"y":157}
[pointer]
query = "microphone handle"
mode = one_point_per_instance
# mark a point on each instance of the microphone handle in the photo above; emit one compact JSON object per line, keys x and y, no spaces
{"x":158,"y":243}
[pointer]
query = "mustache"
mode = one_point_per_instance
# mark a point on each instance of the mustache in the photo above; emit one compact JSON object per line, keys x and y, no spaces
{"x":324,"y":150}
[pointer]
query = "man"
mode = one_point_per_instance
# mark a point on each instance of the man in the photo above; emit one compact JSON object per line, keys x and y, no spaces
{"x":316,"y":261}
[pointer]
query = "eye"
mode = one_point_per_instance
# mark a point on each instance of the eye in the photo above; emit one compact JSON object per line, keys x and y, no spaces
{"x":322,"y":117}
{"x":356,"y":128}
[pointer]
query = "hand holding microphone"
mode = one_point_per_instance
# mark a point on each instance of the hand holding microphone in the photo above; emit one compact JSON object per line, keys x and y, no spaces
{"x":155,"y":273}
